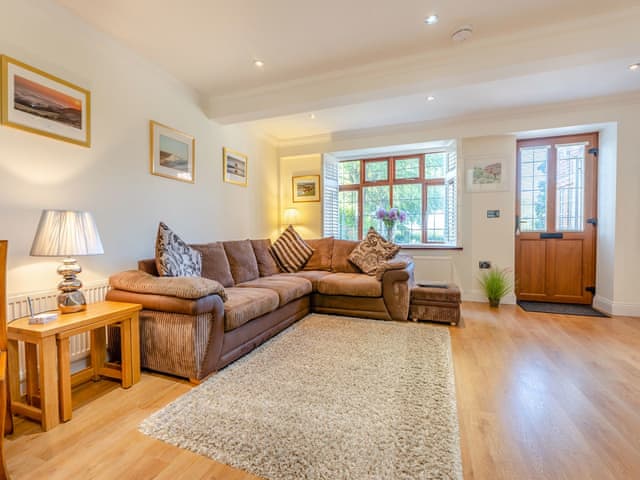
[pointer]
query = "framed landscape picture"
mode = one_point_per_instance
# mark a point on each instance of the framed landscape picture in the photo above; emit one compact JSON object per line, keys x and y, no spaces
{"x":305,"y":188}
{"x":486,"y":175}
{"x":172,"y":153}
{"x":37,"y":102}
{"x":235,"y":167}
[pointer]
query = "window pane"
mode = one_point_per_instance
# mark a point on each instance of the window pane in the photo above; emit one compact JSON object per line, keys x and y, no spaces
{"x":533,"y":188}
{"x":349,"y":172}
{"x":570,"y":188}
{"x":409,"y":198}
{"x":348,"y":214}
{"x":434,"y":165}
{"x":376,"y":171}
{"x":407,"y":168}
{"x":435,"y":213}
{"x":373,"y":198}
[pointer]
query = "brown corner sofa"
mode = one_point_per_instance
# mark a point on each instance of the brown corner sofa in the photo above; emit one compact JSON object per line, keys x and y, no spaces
{"x":190,"y":332}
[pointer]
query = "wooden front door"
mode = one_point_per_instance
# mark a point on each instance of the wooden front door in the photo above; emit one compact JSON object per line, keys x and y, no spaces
{"x":555,"y":219}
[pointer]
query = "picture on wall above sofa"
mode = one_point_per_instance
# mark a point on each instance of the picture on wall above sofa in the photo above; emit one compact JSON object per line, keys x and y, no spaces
{"x":172,"y":153}
{"x":40,"y":103}
{"x":235,"y":167}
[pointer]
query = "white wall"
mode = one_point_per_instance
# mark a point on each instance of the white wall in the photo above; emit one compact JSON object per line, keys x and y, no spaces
{"x":309,"y":224}
{"x":111,"y":179}
{"x":619,"y":228}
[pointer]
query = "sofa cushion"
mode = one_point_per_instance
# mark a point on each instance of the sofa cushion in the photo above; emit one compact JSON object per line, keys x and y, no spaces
{"x":340,"y":260}
{"x":291,"y":251}
{"x":287,"y":286}
{"x":350,"y":284}
{"x":214,"y":263}
{"x":174,"y":258}
{"x":242,"y":260}
{"x":245,"y":304}
{"x":322,"y":253}
{"x":267,"y":265}
{"x":312,"y":275}
{"x":186,"y":287}
{"x":372,"y":251}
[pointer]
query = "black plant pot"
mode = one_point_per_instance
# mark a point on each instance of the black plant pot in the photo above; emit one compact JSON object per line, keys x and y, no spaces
{"x":494,"y":302}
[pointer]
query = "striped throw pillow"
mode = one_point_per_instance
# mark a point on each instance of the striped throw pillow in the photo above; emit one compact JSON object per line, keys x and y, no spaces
{"x":291,"y":251}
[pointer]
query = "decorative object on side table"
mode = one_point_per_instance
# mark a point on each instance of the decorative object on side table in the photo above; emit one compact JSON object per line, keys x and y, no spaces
{"x":37,"y":102}
{"x":496,"y":283}
{"x":172,"y":153}
{"x":305,"y":188}
{"x":235,"y":167}
{"x":66,"y":233}
{"x":390,"y":218}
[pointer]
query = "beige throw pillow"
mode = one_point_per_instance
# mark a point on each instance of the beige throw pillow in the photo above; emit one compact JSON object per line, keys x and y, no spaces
{"x":372,"y":251}
{"x":291,"y":251}
{"x":174,"y":258}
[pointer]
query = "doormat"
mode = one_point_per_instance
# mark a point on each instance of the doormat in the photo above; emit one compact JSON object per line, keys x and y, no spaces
{"x":561,"y":308}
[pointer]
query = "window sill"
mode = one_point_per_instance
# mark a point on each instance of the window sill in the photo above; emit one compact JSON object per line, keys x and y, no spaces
{"x":426,"y":246}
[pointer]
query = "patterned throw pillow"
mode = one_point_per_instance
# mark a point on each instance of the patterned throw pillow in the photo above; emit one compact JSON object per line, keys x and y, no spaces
{"x":291,"y":251}
{"x":174,"y":258}
{"x":372,"y":251}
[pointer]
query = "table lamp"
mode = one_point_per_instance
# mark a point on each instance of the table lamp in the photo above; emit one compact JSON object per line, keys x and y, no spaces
{"x":290,"y":216}
{"x":66,"y":233}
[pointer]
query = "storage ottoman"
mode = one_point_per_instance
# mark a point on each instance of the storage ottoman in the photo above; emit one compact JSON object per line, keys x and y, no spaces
{"x":435,"y":303}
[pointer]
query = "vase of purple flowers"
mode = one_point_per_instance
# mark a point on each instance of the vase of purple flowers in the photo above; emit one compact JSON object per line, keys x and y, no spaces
{"x":390,"y":218}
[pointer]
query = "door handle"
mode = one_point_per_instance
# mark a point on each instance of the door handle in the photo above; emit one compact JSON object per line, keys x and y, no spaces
{"x":550,"y":235}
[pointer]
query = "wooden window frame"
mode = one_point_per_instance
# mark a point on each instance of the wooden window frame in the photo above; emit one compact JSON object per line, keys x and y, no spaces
{"x":391,"y":181}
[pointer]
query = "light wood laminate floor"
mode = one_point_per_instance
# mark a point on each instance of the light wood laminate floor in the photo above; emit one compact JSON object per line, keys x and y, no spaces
{"x":539,"y":397}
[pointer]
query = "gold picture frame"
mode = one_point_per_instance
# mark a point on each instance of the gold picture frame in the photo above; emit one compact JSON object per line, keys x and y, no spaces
{"x":305,"y":188}
{"x":38,"y":102}
{"x":172,"y":153}
{"x":235,"y":167}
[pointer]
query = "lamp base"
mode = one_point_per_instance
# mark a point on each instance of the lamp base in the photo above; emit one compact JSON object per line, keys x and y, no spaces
{"x":71,"y":302}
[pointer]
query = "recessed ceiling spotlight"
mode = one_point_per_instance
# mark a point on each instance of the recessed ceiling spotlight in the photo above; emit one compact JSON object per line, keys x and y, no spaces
{"x":258,"y":63}
{"x":431,"y":19}
{"x":430,"y":98}
{"x":312,"y":116}
{"x":462,"y":34}
{"x":634,"y":67}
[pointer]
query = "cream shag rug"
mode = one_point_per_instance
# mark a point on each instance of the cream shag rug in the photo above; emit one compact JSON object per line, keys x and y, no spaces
{"x":329,"y":398}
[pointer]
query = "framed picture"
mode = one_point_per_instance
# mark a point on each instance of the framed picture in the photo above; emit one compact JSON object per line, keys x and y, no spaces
{"x":172,"y":153}
{"x":34,"y":101}
{"x":305,"y":188}
{"x":235,"y":167}
{"x":486,"y":174}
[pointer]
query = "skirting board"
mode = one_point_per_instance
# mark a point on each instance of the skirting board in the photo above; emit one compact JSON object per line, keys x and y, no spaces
{"x":616,"y":308}
{"x":479,"y":296}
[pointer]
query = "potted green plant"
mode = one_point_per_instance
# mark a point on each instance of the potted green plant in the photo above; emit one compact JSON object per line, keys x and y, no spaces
{"x":496,"y":283}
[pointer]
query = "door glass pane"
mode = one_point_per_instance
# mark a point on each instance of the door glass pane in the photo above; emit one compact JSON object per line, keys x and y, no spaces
{"x":376,"y":171}
{"x":349,"y":172}
{"x":373,"y":198}
{"x":409,"y":198}
{"x":570,"y":188}
{"x":348,"y":214}
{"x":407,"y":168}
{"x":533,"y":188}
{"x":434,"y":165}
{"x":435,"y":213}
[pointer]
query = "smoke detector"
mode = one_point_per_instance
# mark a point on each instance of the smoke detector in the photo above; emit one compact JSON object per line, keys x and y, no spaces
{"x":463,"y":33}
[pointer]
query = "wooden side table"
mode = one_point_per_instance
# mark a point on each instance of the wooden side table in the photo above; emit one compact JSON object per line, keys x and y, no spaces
{"x":48,"y":376}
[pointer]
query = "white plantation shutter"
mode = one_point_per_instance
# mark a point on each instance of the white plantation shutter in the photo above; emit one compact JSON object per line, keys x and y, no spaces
{"x":451,"y":199}
{"x":331,"y":218}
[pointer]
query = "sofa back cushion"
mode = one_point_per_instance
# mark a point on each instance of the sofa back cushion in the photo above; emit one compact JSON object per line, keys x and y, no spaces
{"x":215,"y":264}
{"x":267,"y":265}
{"x":340,"y":260}
{"x":322,"y":253}
{"x":242,"y":260}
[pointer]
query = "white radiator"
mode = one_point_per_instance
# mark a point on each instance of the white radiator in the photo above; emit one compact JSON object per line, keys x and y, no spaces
{"x":433,"y":268}
{"x":43,"y":301}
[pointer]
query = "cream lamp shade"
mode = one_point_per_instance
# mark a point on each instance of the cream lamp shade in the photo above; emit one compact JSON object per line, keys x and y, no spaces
{"x":290,"y":216}
{"x":67,"y":233}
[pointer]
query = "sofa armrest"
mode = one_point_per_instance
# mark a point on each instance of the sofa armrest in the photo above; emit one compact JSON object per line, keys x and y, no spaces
{"x":396,"y":290}
{"x":190,"y":288}
{"x":399,"y":262}
{"x":167,"y":303}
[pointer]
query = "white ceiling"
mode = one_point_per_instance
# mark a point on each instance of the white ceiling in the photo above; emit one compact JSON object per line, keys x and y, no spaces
{"x":369,"y":63}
